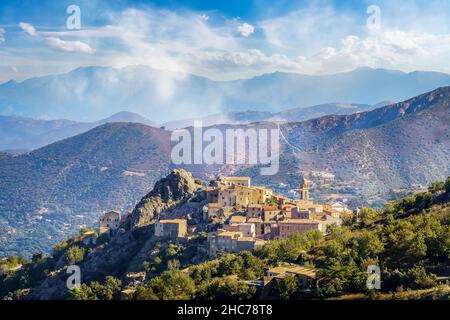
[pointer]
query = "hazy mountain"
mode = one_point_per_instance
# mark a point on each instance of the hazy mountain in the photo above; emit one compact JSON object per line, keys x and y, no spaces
{"x":52,"y":191}
{"x":21,"y":134}
{"x":125,"y":116}
{"x":112,"y":166}
{"x":291,"y":115}
{"x":91,"y":93}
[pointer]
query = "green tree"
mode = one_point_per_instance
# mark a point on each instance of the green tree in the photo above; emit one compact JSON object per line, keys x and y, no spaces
{"x":227,"y":288}
{"x":74,"y":255}
{"x":286,"y":288}
{"x":96,"y":291}
{"x":173,"y":285}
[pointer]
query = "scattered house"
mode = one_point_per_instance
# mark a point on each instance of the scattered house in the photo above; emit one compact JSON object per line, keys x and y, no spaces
{"x":176,"y":228}
{"x":281,"y":200}
{"x":231,"y":241}
{"x":258,"y":223}
{"x":213,"y":210}
{"x":227,"y":197}
{"x":339,"y":207}
{"x":255,"y":211}
{"x":298,"y":213}
{"x":236,"y":220}
{"x":236,"y":181}
{"x":109,"y":221}
{"x":286,"y":210}
{"x":291,"y":226}
{"x":248,"y":244}
{"x":222,"y":240}
{"x":246,"y":196}
{"x":247,"y":229}
{"x":134,"y":278}
{"x":332,"y":213}
{"x":270,"y":212}
{"x":306,"y":276}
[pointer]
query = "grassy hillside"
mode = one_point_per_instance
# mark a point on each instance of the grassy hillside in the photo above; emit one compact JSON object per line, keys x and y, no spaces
{"x":409,"y":240}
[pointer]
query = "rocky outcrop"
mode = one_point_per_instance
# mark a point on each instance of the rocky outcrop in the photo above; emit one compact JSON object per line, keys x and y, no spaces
{"x":176,"y":188}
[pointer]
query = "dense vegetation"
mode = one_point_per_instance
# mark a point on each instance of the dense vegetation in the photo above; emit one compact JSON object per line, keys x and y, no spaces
{"x":409,"y":240}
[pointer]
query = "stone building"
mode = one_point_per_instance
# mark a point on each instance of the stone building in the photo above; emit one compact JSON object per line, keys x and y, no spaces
{"x":298,"y":213}
{"x":175,"y":228}
{"x":109,"y":221}
{"x":246,"y":196}
{"x":227,"y":197}
{"x":231,"y":241}
{"x":305,"y":276}
{"x":236,"y":181}
{"x":270,"y":213}
{"x":291,"y":226}
{"x":255,"y":211}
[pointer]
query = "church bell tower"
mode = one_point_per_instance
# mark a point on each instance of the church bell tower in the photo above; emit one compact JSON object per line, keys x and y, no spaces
{"x":304,"y":190}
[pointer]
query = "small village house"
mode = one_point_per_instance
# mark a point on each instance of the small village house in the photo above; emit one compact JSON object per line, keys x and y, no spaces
{"x":176,"y":228}
{"x":306,"y":276}
{"x":291,"y":226}
{"x":109,"y":221}
{"x":236,"y":181}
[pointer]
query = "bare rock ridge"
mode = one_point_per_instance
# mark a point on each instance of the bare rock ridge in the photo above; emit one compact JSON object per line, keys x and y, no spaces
{"x":175,"y":189}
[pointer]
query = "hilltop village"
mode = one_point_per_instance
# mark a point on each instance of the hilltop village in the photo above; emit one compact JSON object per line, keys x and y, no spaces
{"x":245,"y":216}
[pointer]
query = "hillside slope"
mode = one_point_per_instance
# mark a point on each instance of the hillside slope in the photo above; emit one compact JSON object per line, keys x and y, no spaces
{"x":110,"y":167}
{"x":387,"y":238}
{"x":27,"y":133}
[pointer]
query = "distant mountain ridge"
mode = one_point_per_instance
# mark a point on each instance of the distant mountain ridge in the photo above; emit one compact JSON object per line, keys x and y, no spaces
{"x":20,"y":135}
{"x":26,"y":133}
{"x":91,"y":93}
{"x":290,"y":115}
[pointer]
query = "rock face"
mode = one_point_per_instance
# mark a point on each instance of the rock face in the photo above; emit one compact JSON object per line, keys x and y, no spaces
{"x":168,"y":192}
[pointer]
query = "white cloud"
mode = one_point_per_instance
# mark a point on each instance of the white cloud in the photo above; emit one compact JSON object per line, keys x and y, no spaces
{"x":203,"y":17}
{"x":28,"y":28}
{"x":246,"y":29}
{"x":69,"y":46}
{"x":312,"y":40}
{"x":2,"y":35}
{"x":392,"y":49}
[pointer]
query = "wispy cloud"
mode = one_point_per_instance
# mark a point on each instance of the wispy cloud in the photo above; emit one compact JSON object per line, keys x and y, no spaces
{"x":69,"y":46}
{"x":2,"y":35}
{"x":57,"y":43}
{"x":28,"y":28}
{"x":308,"y":39}
{"x":246,"y":29}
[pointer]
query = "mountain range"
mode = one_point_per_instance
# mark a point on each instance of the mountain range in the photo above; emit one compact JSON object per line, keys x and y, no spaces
{"x":20,"y":134}
{"x":290,"y":115}
{"x":111,"y":166}
{"x":91,"y":93}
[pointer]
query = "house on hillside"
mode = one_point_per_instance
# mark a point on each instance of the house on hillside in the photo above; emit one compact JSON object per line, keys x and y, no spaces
{"x":306,"y":276}
{"x":173,"y":229}
{"x":109,"y":221}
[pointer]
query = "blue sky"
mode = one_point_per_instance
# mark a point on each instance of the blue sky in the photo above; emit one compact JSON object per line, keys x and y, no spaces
{"x":227,"y":39}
